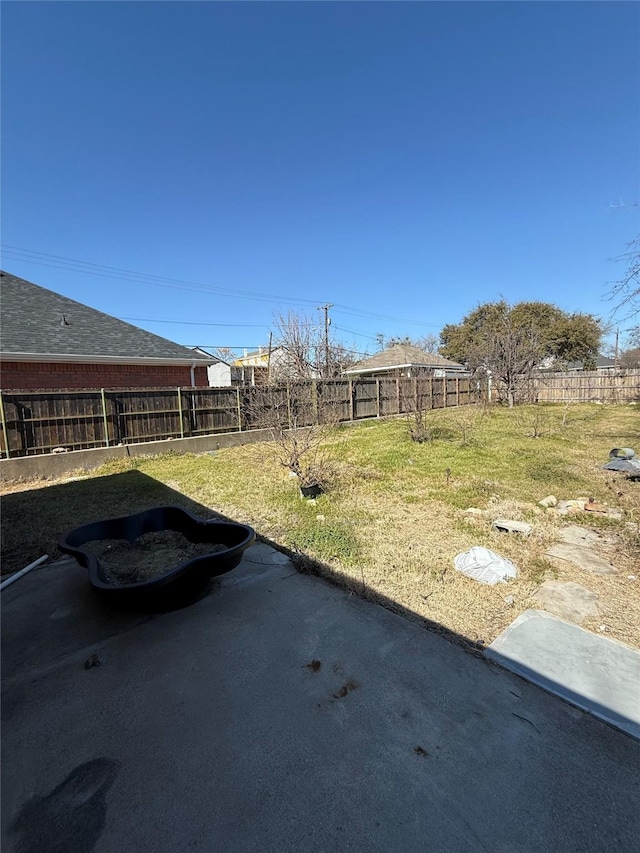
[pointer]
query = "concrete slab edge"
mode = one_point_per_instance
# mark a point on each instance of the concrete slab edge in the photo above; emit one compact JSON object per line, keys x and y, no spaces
{"x":493,"y":654}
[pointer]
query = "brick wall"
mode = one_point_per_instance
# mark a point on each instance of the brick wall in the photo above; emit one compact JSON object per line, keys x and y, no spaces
{"x":39,"y":376}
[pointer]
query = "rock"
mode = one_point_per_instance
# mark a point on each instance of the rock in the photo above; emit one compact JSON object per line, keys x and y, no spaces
{"x":508,"y":525}
{"x":577,"y":504}
{"x":583,"y":558}
{"x":575,"y":535}
{"x":473,"y":510}
{"x":509,"y":599}
{"x":570,"y":601}
{"x":550,"y":500}
{"x":615,"y":513}
{"x":319,"y":517}
{"x":561,"y":505}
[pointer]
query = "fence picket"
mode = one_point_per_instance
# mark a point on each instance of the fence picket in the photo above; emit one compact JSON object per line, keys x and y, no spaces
{"x":36,"y":422}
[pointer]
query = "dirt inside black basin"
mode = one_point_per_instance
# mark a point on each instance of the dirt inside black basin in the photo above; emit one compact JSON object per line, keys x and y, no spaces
{"x":147,"y":557}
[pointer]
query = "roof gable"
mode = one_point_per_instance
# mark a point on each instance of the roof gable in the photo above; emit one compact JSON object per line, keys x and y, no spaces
{"x":403,"y":355}
{"x":37,"y":321}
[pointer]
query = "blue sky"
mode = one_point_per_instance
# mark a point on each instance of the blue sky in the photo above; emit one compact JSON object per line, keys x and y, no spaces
{"x":404,"y":161}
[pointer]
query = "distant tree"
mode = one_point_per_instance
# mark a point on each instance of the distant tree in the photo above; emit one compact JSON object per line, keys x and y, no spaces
{"x":630,"y":358}
{"x":511,"y":341}
{"x":428,"y":343}
{"x":225,"y":354}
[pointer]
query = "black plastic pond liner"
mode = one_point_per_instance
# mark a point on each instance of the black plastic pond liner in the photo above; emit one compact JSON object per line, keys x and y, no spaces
{"x":310,"y":491}
{"x":178,"y":587}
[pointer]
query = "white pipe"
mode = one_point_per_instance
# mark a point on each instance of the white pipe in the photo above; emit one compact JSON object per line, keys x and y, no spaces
{"x":193,"y":375}
{"x":22,"y":572}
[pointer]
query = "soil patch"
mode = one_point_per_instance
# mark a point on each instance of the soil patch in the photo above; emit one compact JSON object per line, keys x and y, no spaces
{"x":147,"y":557}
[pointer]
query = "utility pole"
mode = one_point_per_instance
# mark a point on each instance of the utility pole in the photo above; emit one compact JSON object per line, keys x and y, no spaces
{"x":615,"y":357}
{"x":327,"y":323}
{"x":269,"y":359}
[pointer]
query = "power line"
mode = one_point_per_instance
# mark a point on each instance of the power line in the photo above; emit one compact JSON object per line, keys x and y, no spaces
{"x":122,"y":274}
{"x":194,"y":323}
{"x":353,"y":332}
{"x":254,"y":347}
{"x":117,"y":273}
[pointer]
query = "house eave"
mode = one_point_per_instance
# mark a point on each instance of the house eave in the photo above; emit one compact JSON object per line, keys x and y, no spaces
{"x":66,"y":358}
{"x":402,"y":367}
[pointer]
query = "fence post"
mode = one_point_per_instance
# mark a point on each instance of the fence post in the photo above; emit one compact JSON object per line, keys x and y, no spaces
{"x":431,"y":403}
{"x":239,"y":408}
{"x":457,"y":390}
{"x":351,"y":399}
{"x":378,"y":395}
{"x":415,"y":392}
{"x":105,"y":422}
{"x":180,"y":412}
{"x":445,"y":390}
{"x":398,"y":394}
{"x":289,"y":403}
{"x":4,"y":427}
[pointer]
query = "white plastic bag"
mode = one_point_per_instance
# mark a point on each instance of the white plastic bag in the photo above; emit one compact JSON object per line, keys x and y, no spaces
{"x":485,"y":566}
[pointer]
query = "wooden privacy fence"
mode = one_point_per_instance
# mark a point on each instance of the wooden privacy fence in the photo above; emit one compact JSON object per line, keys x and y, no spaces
{"x":41,"y":421}
{"x":587,"y":387}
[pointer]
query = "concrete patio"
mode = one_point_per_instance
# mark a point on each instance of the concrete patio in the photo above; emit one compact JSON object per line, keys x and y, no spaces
{"x":283,"y":714}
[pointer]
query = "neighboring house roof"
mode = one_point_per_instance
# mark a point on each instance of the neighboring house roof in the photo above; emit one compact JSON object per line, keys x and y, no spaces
{"x":40,"y":325}
{"x":213,"y":359}
{"x":257,"y":358}
{"x":401,"y":356}
{"x":602,"y":363}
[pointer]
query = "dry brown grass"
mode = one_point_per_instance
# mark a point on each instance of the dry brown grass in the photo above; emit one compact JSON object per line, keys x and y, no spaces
{"x":395,"y":517}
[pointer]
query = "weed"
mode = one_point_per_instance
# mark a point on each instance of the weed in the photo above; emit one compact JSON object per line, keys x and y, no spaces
{"x":329,"y":540}
{"x":539,"y":569}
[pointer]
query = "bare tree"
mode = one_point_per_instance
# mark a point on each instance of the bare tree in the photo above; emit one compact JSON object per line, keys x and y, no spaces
{"x":427,"y":343}
{"x":511,"y":356}
{"x":225,"y":354}
{"x":626,"y":291}
{"x":298,"y":338}
{"x":306,"y":350}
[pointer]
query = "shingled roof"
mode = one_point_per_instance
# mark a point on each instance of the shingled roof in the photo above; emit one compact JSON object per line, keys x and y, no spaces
{"x":38,"y":323}
{"x":400,"y":356}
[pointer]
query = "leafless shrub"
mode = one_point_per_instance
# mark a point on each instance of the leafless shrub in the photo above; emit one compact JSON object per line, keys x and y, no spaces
{"x":301,"y":426}
{"x":420,"y":429}
{"x":536,"y":421}
{"x":466,"y":421}
{"x":570,"y":416}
